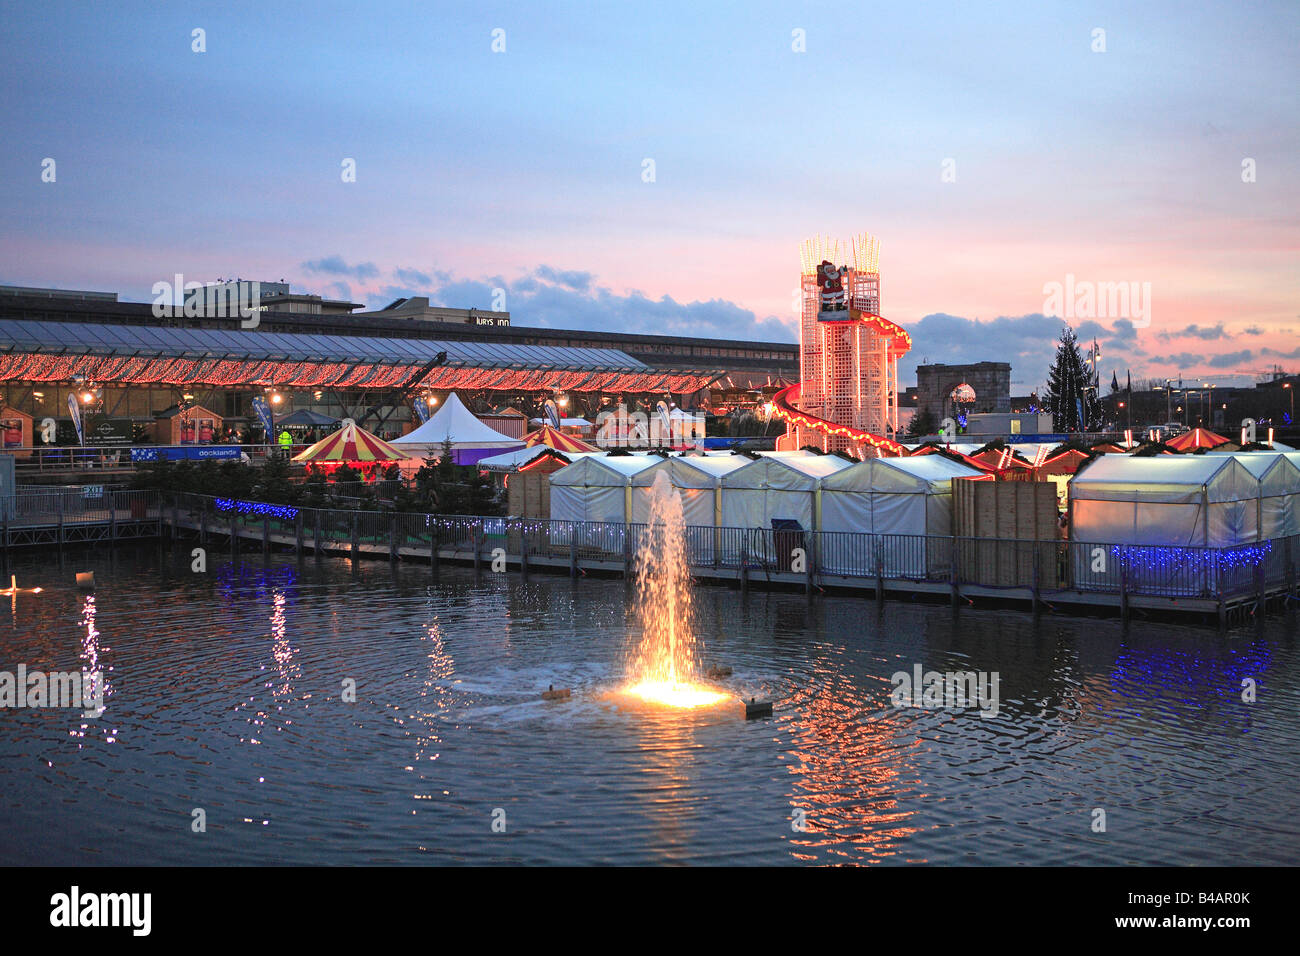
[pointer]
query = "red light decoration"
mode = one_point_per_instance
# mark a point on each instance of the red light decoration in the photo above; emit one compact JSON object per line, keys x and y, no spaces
{"x":226,"y":373}
{"x":784,"y":408}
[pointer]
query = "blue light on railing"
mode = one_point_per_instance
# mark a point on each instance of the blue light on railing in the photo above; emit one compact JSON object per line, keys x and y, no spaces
{"x":1150,"y":558}
{"x":285,"y":512}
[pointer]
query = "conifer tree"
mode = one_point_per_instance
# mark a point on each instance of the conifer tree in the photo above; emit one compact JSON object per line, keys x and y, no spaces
{"x":1071,"y":397}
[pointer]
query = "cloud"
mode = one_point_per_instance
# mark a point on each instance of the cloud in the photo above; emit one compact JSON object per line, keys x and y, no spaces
{"x":1277,"y":353}
{"x":1028,"y":342}
{"x":1229,"y":359}
{"x":558,"y":299}
{"x":413,"y":277}
{"x":578,"y":281}
{"x":340,"y":290}
{"x":1208,"y":333}
{"x":335,"y":266}
{"x":1253,"y":330}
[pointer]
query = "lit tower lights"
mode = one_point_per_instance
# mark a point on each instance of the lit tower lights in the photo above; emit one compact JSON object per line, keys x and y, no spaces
{"x":847,"y":399}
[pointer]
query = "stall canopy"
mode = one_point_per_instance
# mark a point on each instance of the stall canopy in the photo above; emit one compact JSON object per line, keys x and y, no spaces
{"x":1195,"y":439}
{"x":696,"y":478}
{"x":1166,"y":500}
{"x":351,"y":443}
{"x":771,"y":487}
{"x":305,"y":417}
{"x":554,"y":438}
{"x":470,"y":438}
{"x":909,"y":496}
{"x":903,"y":499}
{"x":521,"y":457}
{"x":1278,"y":474}
{"x":597,"y":487}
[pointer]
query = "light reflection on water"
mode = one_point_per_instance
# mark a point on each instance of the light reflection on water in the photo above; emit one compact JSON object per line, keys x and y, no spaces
{"x":228,"y":693}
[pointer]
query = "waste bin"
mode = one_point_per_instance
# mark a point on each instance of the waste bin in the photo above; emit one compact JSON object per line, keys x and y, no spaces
{"x":787,"y":534}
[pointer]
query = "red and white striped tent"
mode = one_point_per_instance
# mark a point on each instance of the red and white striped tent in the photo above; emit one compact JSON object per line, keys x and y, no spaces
{"x":351,"y":443}
{"x":554,"y":438}
{"x":1195,"y":439}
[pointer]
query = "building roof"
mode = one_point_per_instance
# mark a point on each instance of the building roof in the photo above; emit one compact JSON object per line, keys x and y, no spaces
{"x":92,"y":338}
{"x":32,"y":350}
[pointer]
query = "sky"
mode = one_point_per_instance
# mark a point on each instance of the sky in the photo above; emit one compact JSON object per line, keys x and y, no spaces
{"x":654,"y":167}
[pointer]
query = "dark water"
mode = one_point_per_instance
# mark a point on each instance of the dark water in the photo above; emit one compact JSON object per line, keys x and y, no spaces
{"x":226,"y":695}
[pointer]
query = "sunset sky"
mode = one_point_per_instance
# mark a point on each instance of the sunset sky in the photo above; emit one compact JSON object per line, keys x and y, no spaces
{"x":525,"y":169}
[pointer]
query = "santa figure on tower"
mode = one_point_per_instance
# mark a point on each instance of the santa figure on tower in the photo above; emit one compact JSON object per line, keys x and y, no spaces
{"x":830,"y":281}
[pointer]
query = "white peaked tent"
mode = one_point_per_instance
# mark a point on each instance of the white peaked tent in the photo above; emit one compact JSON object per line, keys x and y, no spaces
{"x":454,"y":422}
{"x":769,"y":487}
{"x":903,"y":498}
{"x":1165,"y":500}
{"x":597,"y":487}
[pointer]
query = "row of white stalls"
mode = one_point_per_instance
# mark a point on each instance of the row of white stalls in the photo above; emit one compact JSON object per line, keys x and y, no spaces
{"x":886,"y":496}
{"x":1161,"y":512}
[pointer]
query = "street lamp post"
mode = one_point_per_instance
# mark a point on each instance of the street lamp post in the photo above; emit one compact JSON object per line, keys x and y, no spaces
{"x":1287,"y":385}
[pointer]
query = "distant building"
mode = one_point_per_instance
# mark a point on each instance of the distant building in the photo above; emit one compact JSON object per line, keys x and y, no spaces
{"x":418,"y":308}
{"x":1008,"y":424}
{"x":75,"y":295}
{"x":987,"y":388}
{"x":268,"y":297}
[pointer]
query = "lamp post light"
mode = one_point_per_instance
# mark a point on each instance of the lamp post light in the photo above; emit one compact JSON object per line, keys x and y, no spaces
{"x":1287,"y":386}
{"x":274,"y":398}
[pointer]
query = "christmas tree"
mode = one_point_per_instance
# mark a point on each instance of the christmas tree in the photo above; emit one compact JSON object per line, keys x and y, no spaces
{"x":1071,"y":392}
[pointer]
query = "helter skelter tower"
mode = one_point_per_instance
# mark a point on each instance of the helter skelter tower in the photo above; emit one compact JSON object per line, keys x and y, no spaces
{"x":847,"y":398}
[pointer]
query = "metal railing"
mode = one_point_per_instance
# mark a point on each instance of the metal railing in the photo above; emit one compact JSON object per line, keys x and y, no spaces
{"x":78,"y":504}
{"x":41,"y":459}
{"x":1046,"y":566}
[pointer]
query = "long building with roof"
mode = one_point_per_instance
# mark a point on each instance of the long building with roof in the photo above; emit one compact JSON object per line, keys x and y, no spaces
{"x":133,"y":363}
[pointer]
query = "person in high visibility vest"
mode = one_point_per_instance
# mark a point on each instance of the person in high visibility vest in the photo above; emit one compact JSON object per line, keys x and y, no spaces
{"x":286,"y":440}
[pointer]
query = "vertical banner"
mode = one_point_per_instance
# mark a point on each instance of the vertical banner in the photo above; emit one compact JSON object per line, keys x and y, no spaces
{"x":75,"y":411}
{"x":551,"y":412}
{"x":665,"y":424}
{"x":421,"y":406}
{"x":263,"y":413}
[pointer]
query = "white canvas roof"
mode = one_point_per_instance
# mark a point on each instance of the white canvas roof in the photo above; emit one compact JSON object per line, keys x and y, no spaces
{"x":455,"y":422}
{"x":1166,"y":500}
{"x":785,"y":474}
{"x":597,"y":487}
{"x":932,"y":474}
{"x":604,"y":470}
{"x":694,"y":472}
{"x":1164,"y":478}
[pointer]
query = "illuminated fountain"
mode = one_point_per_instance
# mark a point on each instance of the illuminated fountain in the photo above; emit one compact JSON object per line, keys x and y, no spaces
{"x":663,"y":668}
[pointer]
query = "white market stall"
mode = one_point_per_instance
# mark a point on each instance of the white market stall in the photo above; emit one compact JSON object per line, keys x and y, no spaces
{"x":471,"y":440}
{"x":770,"y":488}
{"x":1165,"y":500}
{"x":1278,"y":474}
{"x":596,"y":488}
{"x":903,"y":498}
{"x":1157,"y":514}
{"x":698,"y":480}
